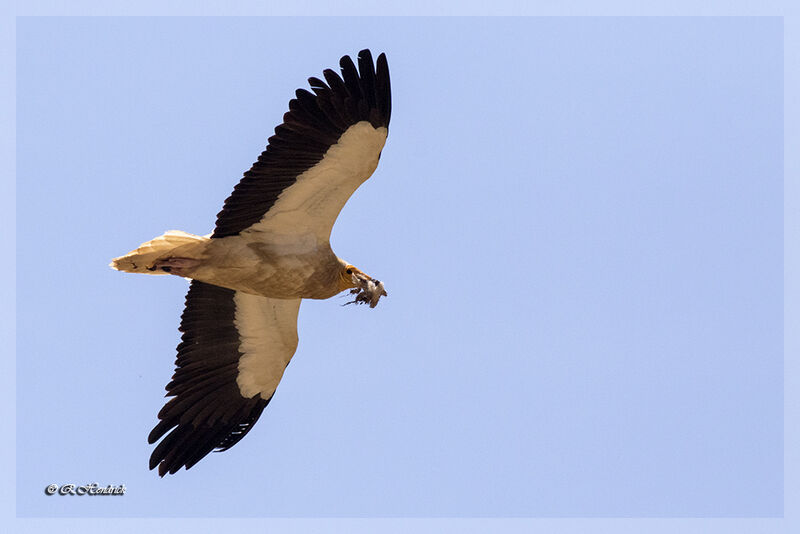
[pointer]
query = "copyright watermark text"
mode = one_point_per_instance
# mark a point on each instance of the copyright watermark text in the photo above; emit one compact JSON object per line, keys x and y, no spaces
{"x":88,"y":489}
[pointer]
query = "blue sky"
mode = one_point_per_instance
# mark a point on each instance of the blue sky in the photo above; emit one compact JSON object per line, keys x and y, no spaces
{"x":579,"y":222}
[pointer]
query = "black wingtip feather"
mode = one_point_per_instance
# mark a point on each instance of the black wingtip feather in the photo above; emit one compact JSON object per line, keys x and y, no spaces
{"x":351,"y":78}
{"x":187,"y":444}
{"x":315,"y":83}
{"x":383,"y":88}
{"x":366,"y":69}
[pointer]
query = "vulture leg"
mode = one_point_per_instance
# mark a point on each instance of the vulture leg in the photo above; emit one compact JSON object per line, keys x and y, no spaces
{"x":176,"y":266}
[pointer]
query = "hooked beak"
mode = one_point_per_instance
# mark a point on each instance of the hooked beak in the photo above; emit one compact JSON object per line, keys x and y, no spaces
{"x":366,"y":289}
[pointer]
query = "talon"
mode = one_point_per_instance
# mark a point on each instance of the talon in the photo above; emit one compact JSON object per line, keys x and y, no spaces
{"x":177,"y":266}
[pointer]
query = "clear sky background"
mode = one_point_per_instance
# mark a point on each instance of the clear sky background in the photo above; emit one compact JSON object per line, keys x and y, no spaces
{"x":579,"y":222}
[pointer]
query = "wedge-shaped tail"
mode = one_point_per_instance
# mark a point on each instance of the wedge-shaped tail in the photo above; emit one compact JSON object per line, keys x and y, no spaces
{"x":172,"y":244}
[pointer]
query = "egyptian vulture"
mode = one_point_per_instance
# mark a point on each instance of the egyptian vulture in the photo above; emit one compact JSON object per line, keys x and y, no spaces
{"x":270,"y":249}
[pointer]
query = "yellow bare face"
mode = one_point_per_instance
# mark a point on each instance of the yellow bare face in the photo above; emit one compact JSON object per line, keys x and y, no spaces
{"x":347,"y":277}
{"x":366,"y":289}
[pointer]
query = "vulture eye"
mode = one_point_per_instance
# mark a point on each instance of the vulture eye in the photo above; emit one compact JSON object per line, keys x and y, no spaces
{"x":349,"y":271}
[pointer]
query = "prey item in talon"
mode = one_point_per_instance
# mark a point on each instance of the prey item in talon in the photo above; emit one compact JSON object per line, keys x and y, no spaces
{"x":367,"y":290}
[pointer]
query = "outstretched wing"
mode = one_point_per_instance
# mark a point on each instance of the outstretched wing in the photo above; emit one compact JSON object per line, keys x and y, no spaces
{"x":233,"y":352}
{"x":329,"y":144}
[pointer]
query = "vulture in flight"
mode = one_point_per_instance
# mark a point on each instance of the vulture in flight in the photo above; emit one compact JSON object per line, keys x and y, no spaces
{"x":270,"y":249}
